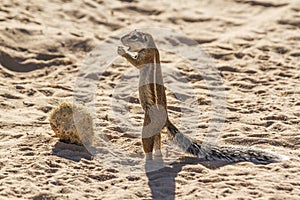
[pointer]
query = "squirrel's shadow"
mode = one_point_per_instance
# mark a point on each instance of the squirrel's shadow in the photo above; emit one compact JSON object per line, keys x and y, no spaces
{"x":71,"y":151}
{"x":161,"y":179}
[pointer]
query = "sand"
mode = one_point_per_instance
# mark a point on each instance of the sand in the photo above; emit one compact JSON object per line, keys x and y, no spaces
{"x":53,"y":51}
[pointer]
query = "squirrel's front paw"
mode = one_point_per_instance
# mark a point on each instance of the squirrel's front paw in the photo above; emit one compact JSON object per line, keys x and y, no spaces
{"x":121,"y":51}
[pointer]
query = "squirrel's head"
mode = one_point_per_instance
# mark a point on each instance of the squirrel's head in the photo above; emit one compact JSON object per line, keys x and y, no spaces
{"x":136,"y":41}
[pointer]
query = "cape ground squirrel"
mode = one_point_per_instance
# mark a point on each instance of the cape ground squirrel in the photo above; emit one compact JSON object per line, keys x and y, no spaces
{"x":153,"y":100}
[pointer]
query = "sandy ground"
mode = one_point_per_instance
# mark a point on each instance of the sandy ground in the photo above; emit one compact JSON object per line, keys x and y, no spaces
{"x":254,"y":45}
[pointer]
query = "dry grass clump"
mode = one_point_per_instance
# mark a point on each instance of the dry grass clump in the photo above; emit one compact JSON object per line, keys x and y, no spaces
{"x":72,"y":123}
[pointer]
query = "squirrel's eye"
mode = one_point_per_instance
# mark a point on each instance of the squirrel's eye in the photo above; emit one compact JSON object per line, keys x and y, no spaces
{"x":134,"y":37}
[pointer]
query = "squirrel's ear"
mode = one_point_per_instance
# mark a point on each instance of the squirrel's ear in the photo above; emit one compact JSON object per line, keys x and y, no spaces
{"x":146,"y":38}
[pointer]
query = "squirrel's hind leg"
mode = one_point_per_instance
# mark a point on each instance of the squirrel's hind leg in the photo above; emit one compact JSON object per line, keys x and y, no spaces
{"x":157,"y":147}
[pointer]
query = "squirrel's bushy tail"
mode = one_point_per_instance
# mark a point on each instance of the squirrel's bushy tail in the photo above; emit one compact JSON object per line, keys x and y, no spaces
{"x":218,"y":153}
